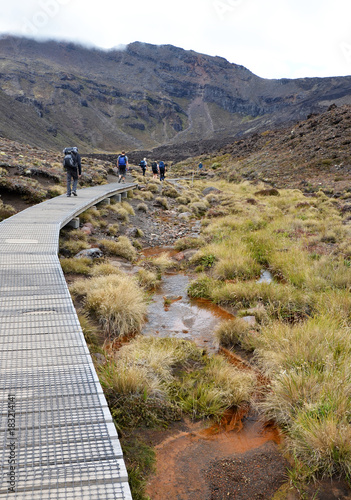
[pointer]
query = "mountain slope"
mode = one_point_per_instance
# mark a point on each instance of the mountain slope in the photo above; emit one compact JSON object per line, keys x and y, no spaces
{"x":52,"y":94}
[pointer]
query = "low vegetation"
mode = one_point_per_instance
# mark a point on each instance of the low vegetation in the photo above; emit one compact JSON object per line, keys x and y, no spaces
{"x":299,"y":338}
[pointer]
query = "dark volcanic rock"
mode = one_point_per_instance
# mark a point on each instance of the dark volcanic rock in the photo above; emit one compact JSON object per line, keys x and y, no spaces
{"x":144,"y":97}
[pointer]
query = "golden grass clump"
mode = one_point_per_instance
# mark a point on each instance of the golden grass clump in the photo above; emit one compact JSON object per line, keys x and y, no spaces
{"x":188,"y":242}
{"x":142,"y":207}
{"x":161,"y":263}
{"x":147,"y":279}
{"x":128,"y":207}
{"x":91,"y":215}
{"x":121,"y":211}
{"x":233,"y":332}
{"x":147,"y":195}
{"x":82,"y":265}
{"x":121,"y":248}
{"x":162,"y":201}
{"x":112,"y":229}
{"x":176,"y":372}
{"x":104,"y":269}
{"x":6,"y":210}
{"x":152,"y":187}
{"x":115,"y":300}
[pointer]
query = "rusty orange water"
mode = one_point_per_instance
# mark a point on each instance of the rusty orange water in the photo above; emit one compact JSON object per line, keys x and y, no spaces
{"x":192,"y":319}
{"x":183,"y":456}
{"x":157,"y":251}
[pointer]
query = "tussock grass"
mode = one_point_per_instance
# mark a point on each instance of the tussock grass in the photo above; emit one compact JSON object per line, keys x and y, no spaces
{"x":115,"y":300}
{"x":6,"y":210}
{"x":121,"y":211}
{"x":232,"y":332}
{"x":142,"y":207}
{"x":127,"y":206}
{"x":82,"y":265}
{"x":121,"y":248}
{"x":175,"y":373}
{"x":153,"y":187}
{"x":148,"y":279}
{"x":91,"y":215}
{"x":147,"y":195}
{"x":162,"y":201}
{"x":73,"y":246}
{"x":199,"y":207}
{"x":160,"y":264}
{"x":188,"y":242}
{"x":104,"y":269}
{"x":112,"y":229}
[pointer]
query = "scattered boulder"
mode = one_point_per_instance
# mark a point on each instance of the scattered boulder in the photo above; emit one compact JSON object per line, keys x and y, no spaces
{"x":88,"y":228}
{"x":210,"y":189}
{"x":93,"y":253}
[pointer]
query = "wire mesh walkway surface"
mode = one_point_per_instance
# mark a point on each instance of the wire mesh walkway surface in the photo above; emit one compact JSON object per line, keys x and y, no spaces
{"x":58,"y":440}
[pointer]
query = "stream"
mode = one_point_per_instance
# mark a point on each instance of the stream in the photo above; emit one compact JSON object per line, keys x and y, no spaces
{"x":173,"y":314}
{"x":185,"y":454}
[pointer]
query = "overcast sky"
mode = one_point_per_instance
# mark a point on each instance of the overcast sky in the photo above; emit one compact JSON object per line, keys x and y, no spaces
{"x":272,"y":38}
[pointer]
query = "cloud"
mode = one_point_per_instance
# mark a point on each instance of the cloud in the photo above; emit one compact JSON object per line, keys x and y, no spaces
{"x":274,"y":38}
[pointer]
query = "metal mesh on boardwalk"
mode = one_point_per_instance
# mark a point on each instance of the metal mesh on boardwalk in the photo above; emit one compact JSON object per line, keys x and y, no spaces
{"x":57,"y":437}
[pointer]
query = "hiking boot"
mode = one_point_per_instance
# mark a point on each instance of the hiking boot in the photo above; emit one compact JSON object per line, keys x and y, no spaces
{"x":74,"y":193}
{"x":68,"y":195}
{"x":119,"y":180}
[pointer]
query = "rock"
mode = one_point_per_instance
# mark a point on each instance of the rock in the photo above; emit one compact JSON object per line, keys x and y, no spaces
{"x":122,"y":264}
{"x":210,"y":189}
{"x":93,"y":253}
{"x":184,"y":215}
{"x":132,"y":232}
{"x":179,"y":256}
{"x":88,"y":228}
{"x":172,"y":298}
{"x":251,"y":320}
{"x":189,"y":253}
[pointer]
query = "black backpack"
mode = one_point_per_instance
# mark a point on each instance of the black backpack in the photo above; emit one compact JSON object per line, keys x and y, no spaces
{"x":70,"y":159}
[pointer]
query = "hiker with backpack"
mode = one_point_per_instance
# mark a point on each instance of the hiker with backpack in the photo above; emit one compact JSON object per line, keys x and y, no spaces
{"x":122,"y":165}
{"x":162,"y":169}
{"x":73,"y":166}
{"x":143,"y":165}
{"x":154,"y":168}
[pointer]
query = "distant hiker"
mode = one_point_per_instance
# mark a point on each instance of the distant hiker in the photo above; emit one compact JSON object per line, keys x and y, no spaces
{"x":143,"y":165}
{"x":72,"y":165}
{"x":162,"y":169}
{"x":154,"y":168}
{"x":122,"y":165}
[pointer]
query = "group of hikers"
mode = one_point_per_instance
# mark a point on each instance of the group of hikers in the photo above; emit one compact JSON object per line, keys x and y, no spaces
{"x":73,"y":166}
{"x":158,"y":168}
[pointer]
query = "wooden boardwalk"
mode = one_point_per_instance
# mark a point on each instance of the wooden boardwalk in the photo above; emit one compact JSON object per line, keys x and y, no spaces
{"x":58,"y":440}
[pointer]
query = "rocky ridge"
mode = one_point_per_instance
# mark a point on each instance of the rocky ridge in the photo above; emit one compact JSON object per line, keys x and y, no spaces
{"x":53,"y":94}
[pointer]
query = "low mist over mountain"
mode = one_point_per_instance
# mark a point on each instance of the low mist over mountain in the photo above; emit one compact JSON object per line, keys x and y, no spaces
{"x":53,"y":94}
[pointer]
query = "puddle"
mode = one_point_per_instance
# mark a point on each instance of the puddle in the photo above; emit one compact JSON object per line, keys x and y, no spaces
{"x":266,"y":277}
{"x":183,"y":457}
{"x":182,"y":317}
{"x":156,"y":251}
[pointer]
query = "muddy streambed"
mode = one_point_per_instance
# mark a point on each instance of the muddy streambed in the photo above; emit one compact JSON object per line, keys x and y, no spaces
{"x":188,"y":457}
{"x":173,"y":314}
